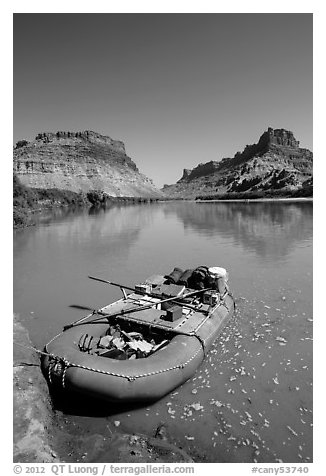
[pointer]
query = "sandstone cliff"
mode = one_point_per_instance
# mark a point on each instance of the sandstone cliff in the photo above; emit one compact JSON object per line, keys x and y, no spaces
{"x":275,"y":164}
{"x":80,"y":162}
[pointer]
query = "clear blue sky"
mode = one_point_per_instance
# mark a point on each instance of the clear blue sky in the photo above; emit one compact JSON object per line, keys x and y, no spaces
{"x":177,"y":89}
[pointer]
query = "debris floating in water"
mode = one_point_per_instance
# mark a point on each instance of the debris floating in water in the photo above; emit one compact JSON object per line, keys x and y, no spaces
{"x":217,"y":403}
{"x":291,"y":430}
{"x":234,"y":373}
{"x":196,"y":406}
{"x":248,"y":416}
{"x":281,"y":339}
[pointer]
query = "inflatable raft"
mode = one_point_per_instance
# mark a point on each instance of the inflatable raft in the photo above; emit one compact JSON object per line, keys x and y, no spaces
{"x":144,"y":345}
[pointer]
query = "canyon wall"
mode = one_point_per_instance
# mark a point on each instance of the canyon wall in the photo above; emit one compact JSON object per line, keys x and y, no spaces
{"x":80,"y":162}
{"x":275,"y":163}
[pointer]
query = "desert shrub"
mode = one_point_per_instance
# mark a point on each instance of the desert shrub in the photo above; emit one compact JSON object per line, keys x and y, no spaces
{"x":21,"y":143}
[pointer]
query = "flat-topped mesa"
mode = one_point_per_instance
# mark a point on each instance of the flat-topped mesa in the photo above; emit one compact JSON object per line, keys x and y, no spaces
{"x":80,"y":162}
{"x":89,"y":136}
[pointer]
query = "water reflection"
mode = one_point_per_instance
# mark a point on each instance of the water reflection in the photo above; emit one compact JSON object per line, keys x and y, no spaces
{"x":74,"y":226}
{"x":52,"y":262}
{"x":269,"y":229}
{"x":51,"y":215}
{"x":261,"y":366}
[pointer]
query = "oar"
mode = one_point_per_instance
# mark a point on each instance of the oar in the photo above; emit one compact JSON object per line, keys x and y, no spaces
{"x":134,"y":309}
{"x":83,"y":308}
{"x":174,"y":299}
{"x":112,"y":284}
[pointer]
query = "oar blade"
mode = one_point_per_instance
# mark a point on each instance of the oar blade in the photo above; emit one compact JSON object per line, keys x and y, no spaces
{"x":83,"y":308}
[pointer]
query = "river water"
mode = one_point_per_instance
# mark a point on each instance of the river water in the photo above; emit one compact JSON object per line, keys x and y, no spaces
{"x":254,"y":389}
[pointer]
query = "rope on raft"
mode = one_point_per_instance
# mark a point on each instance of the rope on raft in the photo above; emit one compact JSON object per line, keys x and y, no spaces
{"x":29,"y":347}
{"x":114,"y":374}
{"x":60,"y":363}
{"x":56,"y":362}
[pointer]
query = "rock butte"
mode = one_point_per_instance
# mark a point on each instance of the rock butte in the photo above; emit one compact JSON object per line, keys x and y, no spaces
{"x":276,"y":162}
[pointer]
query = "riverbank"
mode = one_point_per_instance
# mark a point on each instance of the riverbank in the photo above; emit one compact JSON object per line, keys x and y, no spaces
{"x":33,"y":417}
{"x":43,"y":435}
{"x":259,"y":200}
{"x":27,"y":202}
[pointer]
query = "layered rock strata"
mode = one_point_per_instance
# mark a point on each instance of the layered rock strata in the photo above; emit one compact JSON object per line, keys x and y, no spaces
{"x":275,"y":163}
{"x":80,"y":162}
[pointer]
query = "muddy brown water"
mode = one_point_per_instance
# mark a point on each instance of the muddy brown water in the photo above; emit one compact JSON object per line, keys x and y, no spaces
{"x":251,"y":399}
